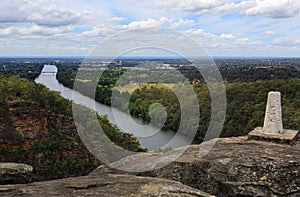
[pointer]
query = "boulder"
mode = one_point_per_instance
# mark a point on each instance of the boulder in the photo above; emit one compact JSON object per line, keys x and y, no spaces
{"x":15,"y":173}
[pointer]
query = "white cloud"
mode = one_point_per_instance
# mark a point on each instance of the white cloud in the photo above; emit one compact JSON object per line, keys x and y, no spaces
{"x":99,"y":30}
{"x":235,"y":7}
{"x":224,"y":42}
{"x":147,"y":23}
{"x":227,"y":36}
{"x":270,"y":32}
{"x":286,"y":42}
{"x":200,"y":33}
{"x":243,"y":40}
{"x":37,"y":24}
{"x":182,"y":23}
{"x":150,"y":22}
{"x":275,"y":9}
{"x":35,"y":30}
{"x":116,"y":19}
{"x":6,"y":31}
{"x":103,"y":30}
{"x":40,"y":13}
{"x":267,"y":8}
{"x":199,"y":6}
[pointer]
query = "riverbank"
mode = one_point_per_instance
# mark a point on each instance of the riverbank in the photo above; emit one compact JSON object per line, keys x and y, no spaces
{"x":156,"y":138}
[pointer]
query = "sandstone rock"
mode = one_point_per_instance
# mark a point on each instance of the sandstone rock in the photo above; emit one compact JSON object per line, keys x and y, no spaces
{"x":234,"y":167}
{"x":15,"y":173}
{"x":105,"y":185}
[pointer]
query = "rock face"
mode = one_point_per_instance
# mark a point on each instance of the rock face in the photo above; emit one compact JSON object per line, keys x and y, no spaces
{"x":105,"y":185}
{"x":235,"y":167}
{"x":14,"y":173}
{"x":43,"y":139}
{"x":238,"y":167}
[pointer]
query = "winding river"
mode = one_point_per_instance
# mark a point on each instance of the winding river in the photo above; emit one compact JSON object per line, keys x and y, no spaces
{"x":155,"y":139}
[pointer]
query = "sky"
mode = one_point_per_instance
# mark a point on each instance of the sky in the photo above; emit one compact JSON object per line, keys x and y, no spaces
{"x":235,"y":28}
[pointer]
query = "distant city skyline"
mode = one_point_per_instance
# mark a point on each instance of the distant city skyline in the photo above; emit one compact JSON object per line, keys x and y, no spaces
{"x":225,"y":28}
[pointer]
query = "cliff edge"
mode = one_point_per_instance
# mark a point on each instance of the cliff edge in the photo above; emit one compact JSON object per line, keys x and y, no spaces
{"x":239,"y":167}
{"x":234,"y":167}
{"x":105,"y":185}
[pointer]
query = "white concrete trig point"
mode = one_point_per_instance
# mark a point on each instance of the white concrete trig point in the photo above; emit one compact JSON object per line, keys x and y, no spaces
{"x":273,"y":128}
{"x":273,"y":116}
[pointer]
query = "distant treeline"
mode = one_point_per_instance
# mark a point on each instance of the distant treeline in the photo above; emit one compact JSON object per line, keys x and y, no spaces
{"x":29,"y":70}
{"x":244,"y":73}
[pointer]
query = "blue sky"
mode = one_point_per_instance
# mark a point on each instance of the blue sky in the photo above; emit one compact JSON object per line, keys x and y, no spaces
{"x":222,"y":27}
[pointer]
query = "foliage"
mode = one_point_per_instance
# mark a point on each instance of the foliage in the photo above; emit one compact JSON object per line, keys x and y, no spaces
{"x":21,"y":69}
{"x":245,"y":105}
{"x":67,"y":74}
{"x":14,"y":88}
{"x":59,"y":152}
{"x":164,"y":150}
{"x":247,"y":102}
{"x":124,"y":140}
{"x":247,"y":85}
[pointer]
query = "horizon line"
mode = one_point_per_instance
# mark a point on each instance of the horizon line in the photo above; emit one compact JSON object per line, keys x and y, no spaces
{"x":153,"y":57}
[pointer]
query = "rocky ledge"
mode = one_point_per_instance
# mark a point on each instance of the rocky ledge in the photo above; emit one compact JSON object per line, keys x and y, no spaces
{"x":104,"y":185}
{"x":13,"y":173}
{"x":234,"y":167}
{"x":239,"y":167}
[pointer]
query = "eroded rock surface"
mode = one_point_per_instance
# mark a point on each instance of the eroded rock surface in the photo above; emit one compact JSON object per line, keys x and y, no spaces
{"x":234,"y":167}
{"x":15,"y":173}
{"x":105,"y":185}
{"x":238,"y":167}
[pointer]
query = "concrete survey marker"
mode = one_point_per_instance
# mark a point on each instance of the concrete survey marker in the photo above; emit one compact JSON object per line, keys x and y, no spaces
{"x":273,"y":117}
{"x":273,"y":127}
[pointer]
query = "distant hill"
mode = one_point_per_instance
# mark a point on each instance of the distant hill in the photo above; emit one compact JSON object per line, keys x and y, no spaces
{"x":36,"y":128}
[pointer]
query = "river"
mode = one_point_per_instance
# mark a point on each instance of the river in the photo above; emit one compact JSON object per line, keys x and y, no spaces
{"x":155,"y":139}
